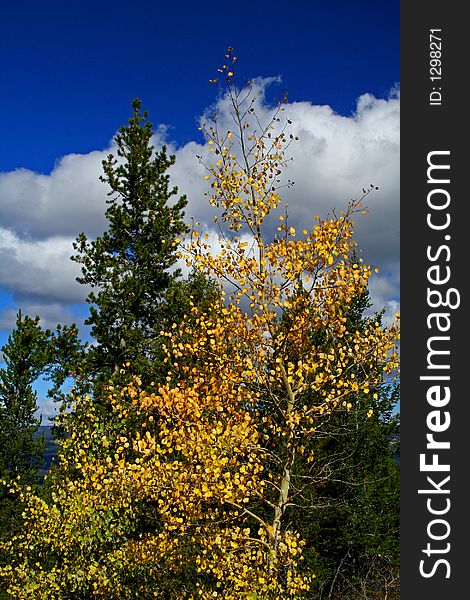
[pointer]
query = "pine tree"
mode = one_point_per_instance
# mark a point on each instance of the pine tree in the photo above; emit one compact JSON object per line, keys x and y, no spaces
{"x":351,"y":521}
{"x":352,"y":526}
{"x":129,"y":264}
{"x":21,"y":449}
{"x":26,"y":354}
{"x":32,"y":353}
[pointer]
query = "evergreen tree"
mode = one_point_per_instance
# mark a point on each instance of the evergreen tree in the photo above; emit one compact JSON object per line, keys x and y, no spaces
{"x":21,"y":449}
{"x":26,"y":353}
{"x":31,"y":353}
{"x":129,"y":264}
{"x":352,"y":519}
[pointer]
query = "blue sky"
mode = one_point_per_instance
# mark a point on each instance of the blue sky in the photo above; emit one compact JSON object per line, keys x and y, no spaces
{"x":70,"y":71}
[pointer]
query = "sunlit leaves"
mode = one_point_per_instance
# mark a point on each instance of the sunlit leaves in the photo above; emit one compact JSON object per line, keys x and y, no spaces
{"x":188,"y":484}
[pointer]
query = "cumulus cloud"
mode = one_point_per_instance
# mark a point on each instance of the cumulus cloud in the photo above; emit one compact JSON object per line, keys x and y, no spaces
{"x":335,"y":157}
{"x":50,"y":315}
{"x":39,"y":269}
{"x":69,"y":200}
{"x":384,"y":294}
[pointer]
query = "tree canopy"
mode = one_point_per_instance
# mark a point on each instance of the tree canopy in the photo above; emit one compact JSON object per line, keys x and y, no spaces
{"x":129,"y":265}
{"x":189,"y":488}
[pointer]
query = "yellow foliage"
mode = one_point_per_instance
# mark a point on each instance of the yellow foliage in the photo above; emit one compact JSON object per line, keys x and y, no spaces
{"x":182,"y":491}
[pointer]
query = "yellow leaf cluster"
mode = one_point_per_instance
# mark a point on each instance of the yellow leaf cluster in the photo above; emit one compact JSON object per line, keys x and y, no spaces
{"x":184,"y":491}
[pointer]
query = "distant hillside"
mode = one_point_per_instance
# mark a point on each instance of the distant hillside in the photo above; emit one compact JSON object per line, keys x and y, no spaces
{"x":50,"y":454}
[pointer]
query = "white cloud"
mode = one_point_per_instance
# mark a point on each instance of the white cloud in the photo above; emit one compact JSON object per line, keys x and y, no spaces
{"x":50,"y":315}
{"x":69,"y":200}
{"x":47,"y":409}
{"x":335,"y":157}
{"x":384,"y":293}
{"x":39,"y":269}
